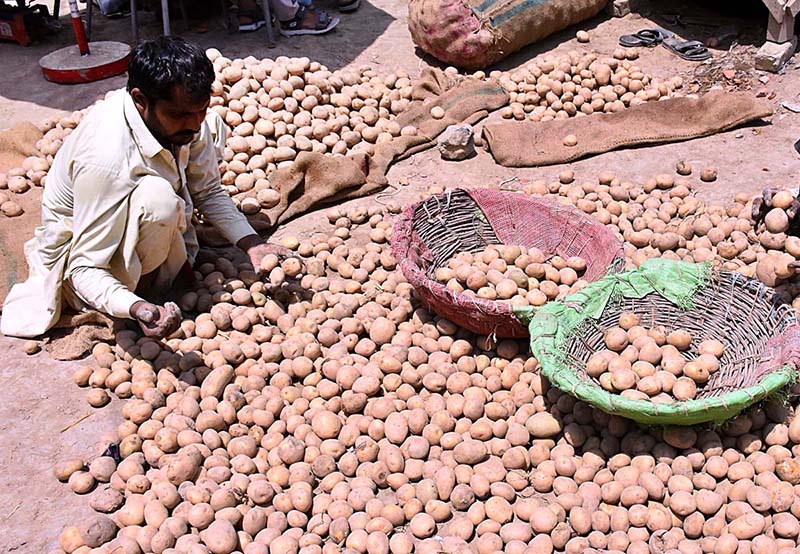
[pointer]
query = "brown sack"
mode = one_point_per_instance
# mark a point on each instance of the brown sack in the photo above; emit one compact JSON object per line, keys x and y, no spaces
{"x":476,"y":33}
{"x":316,"y":179}
{"x":18,"y":143}
{"x":531,"y":143}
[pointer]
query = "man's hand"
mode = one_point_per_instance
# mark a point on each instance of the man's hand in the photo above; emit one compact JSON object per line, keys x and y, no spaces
{"x":763,"y":204}
{"x":256,"y":249}
{"x":157,"y":321}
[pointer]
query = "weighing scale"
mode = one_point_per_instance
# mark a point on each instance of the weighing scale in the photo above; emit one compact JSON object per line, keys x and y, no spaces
{"x":86,"y":61}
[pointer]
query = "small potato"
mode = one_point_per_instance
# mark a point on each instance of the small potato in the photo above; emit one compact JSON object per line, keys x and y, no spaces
{"x":64,"y":469}
{"x":81,"y":482}
{"x":747,"y":526}
{"x":616,"y":339}
{"x":712,"y":347}
{"x":680,"y":339}
{"x":422,"y":525}
{"x":628,"y":321}
{"x":543,"y":520}
{"x":97,"y":398}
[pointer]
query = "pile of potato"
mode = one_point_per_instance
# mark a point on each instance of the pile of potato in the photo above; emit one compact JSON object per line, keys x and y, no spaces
{"x":279,"y":108}
{"x":33,"y":171}
{"x":322,"y":410}
{"x":580,"y":84}
{"x":661,"y":217}
{"x":512,"y":273}
{"x":653,"y":364}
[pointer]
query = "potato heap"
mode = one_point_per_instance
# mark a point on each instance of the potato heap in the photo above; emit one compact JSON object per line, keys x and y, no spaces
{"x":512,"y":273}
{"x":652,"y":364}
{"x":662,"y":218}
{"x":580,"y":84}
{"x":322,"y":410}
{"x":279,"y":108}
{"x":33,"y":171}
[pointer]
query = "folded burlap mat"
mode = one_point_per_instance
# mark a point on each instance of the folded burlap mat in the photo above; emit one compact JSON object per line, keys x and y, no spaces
{"x":74,"y":335}
{"x":532,"y":143}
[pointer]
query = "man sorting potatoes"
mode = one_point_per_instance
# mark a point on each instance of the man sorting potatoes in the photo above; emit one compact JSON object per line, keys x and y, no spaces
{"x":116,"y":211}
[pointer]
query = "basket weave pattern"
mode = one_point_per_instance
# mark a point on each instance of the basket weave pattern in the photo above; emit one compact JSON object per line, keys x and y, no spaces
{"x":760,"y":332}
{"x":430,"y":233}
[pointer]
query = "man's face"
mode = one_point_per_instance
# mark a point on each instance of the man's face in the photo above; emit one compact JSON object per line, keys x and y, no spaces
{"x":175,"y":120}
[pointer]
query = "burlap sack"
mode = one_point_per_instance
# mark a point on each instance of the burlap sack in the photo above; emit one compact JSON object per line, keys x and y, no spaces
{"x":315,"y":179}
{"x":533,"y":143}
{"x":74,"y":335}
{"x":18,"y":143}
{"x":477,"y":33}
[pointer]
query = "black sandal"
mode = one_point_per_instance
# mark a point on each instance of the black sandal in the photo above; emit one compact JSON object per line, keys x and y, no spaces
{"x":691,"y":50}
{"x":256,"y":20}
{"x":294,"y":27}
{"x":645,"y":37}
{"x":347,"y":6}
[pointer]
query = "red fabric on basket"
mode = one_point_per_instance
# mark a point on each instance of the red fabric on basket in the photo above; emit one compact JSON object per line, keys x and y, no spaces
{"x":781,"y":350}
{"x":517,"y":219}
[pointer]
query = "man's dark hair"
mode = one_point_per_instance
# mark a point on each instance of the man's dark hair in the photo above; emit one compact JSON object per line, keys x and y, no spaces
{"x":157,"y":66}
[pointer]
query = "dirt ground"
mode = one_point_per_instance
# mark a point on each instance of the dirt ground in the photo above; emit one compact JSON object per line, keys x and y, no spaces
{"x":41,"y":410}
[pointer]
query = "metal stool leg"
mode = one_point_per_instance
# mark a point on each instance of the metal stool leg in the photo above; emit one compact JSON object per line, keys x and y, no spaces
{"x":165,"y":16}
{"x":268,"y":20}
{"x":89,"y":10}
{"x":134,"y":28}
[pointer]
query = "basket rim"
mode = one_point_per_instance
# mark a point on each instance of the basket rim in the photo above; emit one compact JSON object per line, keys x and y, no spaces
{"x":402,"y":238}
{"x":689,"y":412}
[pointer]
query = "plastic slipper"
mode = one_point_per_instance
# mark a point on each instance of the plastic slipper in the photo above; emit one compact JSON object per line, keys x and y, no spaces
{"x":692,"y":50}
{"x":645,"y":37}
{"x":297,"y":26}
{"x":256,"y":18}
{"x":346,"y":6}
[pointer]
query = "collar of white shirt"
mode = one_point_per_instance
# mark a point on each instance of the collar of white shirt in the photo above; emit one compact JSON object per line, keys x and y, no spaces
{"x":148,"y":145}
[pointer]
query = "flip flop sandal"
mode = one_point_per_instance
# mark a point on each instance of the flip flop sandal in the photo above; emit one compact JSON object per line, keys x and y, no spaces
{"x":294,"y":27}
{"x":692,"y":50}
{"x":256,"y":20}
{"x":346,"y":6}
{"x":645,"y":37}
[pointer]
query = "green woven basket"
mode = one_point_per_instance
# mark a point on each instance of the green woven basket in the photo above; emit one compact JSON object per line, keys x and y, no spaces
{"x":761,"y":334}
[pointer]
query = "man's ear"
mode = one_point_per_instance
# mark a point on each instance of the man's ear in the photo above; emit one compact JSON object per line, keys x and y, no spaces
{"x":139,"y":99}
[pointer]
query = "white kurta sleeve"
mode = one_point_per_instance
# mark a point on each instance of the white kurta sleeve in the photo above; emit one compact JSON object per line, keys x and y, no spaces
{"x":98,"y":288}
{"x":202,"y":174}
{"x":98,"y":231}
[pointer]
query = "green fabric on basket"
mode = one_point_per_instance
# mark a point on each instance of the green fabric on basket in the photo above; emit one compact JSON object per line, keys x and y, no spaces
{"x":552,"y":325}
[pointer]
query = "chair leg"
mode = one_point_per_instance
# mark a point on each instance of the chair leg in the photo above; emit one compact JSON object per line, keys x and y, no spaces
{"x":165,"y":17}
{"x":268,"y":20}
{"x":89,"y":10}
{"x":228,"y":16}
{"x":134,"y":28}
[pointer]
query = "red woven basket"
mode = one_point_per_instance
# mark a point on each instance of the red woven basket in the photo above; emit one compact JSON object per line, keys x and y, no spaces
{"x":428,"y":234}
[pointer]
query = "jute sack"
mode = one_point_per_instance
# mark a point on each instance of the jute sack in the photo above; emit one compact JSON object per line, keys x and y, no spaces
{"x":473,"y":34}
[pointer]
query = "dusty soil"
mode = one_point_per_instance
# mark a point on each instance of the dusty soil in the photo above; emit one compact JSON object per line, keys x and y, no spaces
{"x":38,"y":401}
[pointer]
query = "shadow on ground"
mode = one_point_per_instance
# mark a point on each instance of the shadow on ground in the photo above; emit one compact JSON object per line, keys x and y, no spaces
{"x":22,"y":81}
